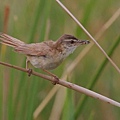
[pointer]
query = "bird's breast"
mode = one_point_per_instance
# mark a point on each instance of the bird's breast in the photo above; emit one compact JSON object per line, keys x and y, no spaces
{"x":45,"y":62}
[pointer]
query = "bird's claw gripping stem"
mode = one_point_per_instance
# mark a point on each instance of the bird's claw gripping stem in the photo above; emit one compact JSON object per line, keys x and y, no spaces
{"x":29,"y":71}
{"x":56,"y":80}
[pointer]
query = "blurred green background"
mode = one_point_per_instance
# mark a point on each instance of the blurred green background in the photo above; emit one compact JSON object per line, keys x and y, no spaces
{"x":39,"y":20}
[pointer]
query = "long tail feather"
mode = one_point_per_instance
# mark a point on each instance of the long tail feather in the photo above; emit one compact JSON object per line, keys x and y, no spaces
{"x":10,"y":41}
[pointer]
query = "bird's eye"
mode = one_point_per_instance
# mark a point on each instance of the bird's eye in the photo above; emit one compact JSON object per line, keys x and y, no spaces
{"x":72,"y":41}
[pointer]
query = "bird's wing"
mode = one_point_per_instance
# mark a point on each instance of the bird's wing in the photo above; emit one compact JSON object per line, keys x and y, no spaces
{"x":34,"y":49}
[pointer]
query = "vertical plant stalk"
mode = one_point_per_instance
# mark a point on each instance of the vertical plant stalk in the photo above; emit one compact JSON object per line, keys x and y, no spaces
{"x":86,"y":15}
{"x":3,"y":51}
{"x":38,"y":13}
{"x":42,"y":28}
{"x":92,"y":38}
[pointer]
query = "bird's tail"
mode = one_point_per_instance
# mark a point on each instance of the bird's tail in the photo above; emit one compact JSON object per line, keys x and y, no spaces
{"x":10,"y":41}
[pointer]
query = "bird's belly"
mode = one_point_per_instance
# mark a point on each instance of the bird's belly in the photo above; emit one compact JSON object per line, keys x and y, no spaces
{"x":44,"y":62}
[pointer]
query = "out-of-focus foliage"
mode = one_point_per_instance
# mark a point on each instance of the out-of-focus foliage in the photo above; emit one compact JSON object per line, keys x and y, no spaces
{"x":39,"y":20}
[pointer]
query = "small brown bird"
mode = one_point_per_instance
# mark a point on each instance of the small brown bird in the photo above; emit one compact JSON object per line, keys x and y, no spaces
{"x":45,"y":55}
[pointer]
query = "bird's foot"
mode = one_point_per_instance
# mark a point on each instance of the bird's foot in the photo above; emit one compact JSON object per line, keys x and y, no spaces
{"x":29,"y":71}
{"x":56,"y":80}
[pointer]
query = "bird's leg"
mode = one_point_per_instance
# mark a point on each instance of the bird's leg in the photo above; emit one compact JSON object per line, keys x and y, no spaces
{"x":55,"y":77}
{"x":27,"y":68}
{"x":51,"y":74}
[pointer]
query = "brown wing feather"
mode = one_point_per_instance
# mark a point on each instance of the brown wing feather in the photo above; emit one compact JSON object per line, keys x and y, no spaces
{"x":34,"y":49}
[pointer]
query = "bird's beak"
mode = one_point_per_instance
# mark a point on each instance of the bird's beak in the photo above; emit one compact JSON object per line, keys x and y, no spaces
{"x":82,"y":42}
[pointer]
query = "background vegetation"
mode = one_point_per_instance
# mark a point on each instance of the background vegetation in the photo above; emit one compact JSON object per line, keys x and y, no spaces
{"x":39,"y":20}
